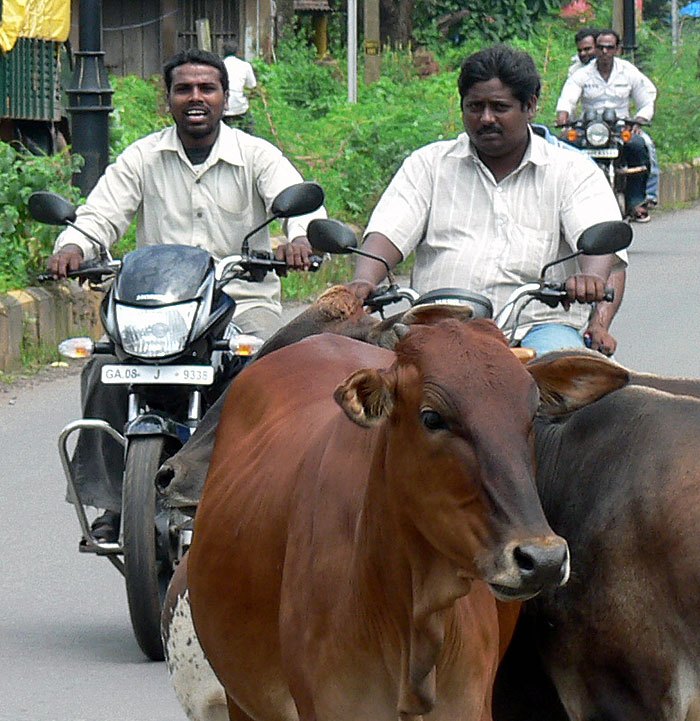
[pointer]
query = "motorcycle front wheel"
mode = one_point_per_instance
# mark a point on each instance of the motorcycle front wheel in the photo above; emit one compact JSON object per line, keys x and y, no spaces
{"x":146,"y":575}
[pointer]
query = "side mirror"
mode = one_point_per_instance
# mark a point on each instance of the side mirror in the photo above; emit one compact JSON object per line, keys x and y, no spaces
{"x":331,"y":236}
{"x":606,"y":237}
{"x":298,"y":199}
{"x":51,"y":208}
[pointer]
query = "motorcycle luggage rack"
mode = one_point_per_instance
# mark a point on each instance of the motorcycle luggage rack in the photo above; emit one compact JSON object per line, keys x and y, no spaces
{"x":87,"y":543}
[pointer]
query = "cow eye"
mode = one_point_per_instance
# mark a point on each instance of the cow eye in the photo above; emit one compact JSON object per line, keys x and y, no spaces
{"x":432,"y":420}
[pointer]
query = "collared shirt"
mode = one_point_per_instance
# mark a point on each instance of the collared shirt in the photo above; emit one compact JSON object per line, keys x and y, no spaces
{"x":468,"y":231}
{"x":210,"y":206}
{"x":626,"y":83}
{"x":576,"y":64}
{"x":240,"y":76}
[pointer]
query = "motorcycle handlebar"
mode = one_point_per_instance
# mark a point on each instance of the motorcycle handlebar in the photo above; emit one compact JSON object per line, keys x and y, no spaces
{"x":555,"y":293}
{"x":87,"y":271}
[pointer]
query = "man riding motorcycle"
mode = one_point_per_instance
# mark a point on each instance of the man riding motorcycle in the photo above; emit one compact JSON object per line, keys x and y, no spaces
{"x":196,"y":183}
{"x":610,"y":82}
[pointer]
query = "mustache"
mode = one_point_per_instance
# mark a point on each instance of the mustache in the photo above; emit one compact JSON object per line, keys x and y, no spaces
{"x":488,"y":129}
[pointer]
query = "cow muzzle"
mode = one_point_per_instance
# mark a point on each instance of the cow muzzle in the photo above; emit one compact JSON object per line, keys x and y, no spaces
{"x":528,"y":567}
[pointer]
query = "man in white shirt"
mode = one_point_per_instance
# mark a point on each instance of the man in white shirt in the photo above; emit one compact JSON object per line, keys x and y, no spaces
{"x":611,"y":82}
{"x":487,"y":210}
{"x":240,"y":77}
{"x":196,"y":183}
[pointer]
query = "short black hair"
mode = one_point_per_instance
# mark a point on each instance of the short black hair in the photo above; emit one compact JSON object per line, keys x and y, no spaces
{"x":230,"y":47}
{"x":586,"y":32}
{"x":198,"y":57}
{"x":609,"y":31}
{"x":513,"y":68}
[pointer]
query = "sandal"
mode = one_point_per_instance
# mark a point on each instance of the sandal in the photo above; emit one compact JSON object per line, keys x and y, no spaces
{"x":105,"y":528}
{"x":640,"y":215}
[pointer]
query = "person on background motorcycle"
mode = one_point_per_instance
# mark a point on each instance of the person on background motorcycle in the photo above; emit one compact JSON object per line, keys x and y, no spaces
{"x":611,"y":82}
{"x":585,"y":49}
{"x":487,"y":210}
{"x":197,"y":182}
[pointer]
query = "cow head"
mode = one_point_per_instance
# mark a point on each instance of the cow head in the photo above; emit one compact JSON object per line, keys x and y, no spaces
{"x":457,"y":407}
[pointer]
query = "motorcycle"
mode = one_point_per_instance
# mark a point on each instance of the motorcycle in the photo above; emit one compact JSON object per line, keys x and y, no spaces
{"x":167,"y":321}
{"x":332,"y":236}
{"x":601,"y":136}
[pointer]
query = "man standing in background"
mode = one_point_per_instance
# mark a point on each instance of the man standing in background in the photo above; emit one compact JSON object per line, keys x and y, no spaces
{"x":240,"y":77}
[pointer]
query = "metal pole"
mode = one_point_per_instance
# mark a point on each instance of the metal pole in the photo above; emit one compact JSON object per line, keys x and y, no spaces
{"x":90,"y":98}
{"x":629,"y":29}
{"x":352,"y":51}
{"x":675,"y":27}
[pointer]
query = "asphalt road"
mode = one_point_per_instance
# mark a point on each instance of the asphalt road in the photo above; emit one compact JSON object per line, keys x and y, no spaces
{"x":66,"y":648}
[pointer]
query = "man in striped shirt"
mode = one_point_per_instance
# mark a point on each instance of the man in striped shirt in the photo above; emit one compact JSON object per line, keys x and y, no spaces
{"x":487,"y":210}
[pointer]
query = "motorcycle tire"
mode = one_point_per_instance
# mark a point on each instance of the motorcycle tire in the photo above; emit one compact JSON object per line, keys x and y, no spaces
{"x":146,"y":576}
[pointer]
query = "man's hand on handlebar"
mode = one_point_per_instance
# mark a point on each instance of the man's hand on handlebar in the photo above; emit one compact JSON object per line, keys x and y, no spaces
{"x":584,"y":288}
{"x":66,"y":259}
{"x":296,"y":254}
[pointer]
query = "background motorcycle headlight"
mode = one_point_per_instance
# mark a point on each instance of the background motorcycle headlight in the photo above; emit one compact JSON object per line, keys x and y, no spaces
{"x":155,"y":332}
{"x":597,"y":134}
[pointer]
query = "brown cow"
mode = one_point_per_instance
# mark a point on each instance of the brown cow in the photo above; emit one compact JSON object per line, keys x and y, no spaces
{"x":345,"y":559}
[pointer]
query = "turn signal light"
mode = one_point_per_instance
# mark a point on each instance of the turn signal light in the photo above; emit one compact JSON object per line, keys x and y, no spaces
{"x":626,"y":135}
{"x":572,"y":134}
{"x":77,"y":347}
{"x":245,"y":345}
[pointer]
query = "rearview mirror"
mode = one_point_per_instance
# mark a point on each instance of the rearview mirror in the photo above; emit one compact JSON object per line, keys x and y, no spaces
{"x":606,"y":237}
{"x":298,"y":199}
{"x":331,"y":236}
{"x":51,"y":208}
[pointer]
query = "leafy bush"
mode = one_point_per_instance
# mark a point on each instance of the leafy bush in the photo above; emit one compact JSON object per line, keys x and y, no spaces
{"x":139,"y":109}
{"x":25,"y":243}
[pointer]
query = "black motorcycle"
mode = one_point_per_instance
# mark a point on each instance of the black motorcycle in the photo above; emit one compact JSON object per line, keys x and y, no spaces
{"x":601,"y":136}
{"x":167,"y":320}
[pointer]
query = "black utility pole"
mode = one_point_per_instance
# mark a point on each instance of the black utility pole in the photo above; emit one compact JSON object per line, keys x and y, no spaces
{"x":629,"y":29}
{"x":90,"y":98}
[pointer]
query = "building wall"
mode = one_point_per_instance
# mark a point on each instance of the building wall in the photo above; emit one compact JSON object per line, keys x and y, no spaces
{"x":140,"y":35}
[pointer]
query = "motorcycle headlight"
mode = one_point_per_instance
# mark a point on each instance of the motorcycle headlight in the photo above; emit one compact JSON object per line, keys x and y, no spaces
{"x":597,"y":134}
{"x":155,"y":332}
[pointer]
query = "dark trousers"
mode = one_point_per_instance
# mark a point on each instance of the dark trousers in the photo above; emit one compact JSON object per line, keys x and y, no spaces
{"x":636,"y":154}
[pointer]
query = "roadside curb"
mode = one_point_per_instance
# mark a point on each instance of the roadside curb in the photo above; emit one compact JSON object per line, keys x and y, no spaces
{"x":49,"y":314}
{"x":45,"y":315}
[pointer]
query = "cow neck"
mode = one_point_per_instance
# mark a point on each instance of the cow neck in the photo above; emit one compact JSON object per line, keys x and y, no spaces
{"x":425,"y":586}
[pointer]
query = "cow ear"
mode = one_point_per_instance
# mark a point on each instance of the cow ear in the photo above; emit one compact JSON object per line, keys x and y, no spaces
{"x":366,"y":396}
{"x":570,"y":382}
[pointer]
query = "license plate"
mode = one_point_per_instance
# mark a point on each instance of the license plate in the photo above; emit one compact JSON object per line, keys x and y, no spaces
{"x":167,"y":375}
{"x":602,"y":152}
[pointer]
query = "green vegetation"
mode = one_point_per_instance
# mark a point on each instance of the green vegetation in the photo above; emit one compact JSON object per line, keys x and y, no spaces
{"x":353,"y":150}
{"x":25,"y":245}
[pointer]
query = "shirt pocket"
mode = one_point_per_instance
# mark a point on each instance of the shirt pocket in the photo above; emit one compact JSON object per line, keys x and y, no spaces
{"x":228,"y":191}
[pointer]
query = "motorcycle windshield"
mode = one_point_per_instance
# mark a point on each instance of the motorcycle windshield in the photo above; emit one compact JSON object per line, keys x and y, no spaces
{"x":159,"y":274}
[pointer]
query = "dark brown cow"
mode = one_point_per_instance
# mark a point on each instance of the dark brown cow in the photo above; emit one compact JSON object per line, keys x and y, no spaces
{"x":346,"y":552}
{"x":620,"y":480}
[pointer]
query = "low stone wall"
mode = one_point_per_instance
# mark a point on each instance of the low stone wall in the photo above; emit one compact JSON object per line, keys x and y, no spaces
{"x":60,"y":310}
{"x":45,"y":315}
